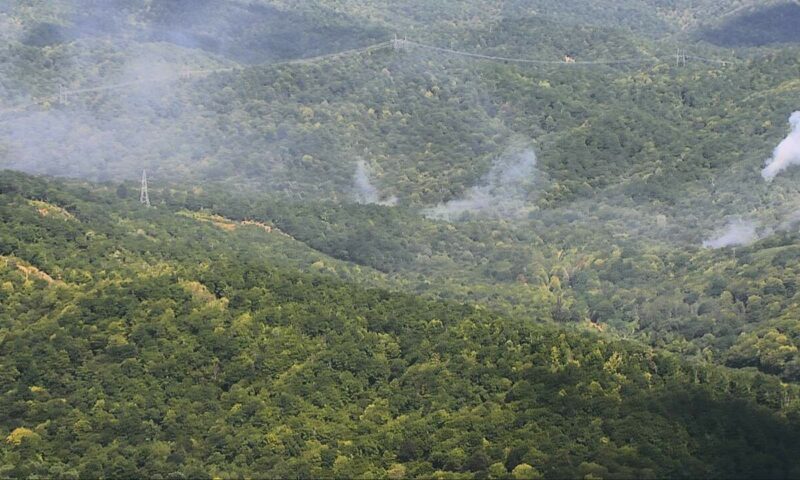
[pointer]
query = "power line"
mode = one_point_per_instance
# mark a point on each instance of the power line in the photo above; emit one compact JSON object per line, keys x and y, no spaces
{"x":530,"y":61}
{"x":710,"y":60}
{"x":206,"y":72}
{"x":397,"y":44}
{"x":64,"y":93}
{"x":682,"y":57}
{"x":334,"y":56}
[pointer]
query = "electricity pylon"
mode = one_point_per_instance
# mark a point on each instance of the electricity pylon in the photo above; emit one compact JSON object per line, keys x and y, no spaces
{"x":143,"y":196}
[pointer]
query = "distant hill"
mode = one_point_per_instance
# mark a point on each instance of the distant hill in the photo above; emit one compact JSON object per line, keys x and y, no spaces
{"x":757,"y":26}
{"x":244,"y":32}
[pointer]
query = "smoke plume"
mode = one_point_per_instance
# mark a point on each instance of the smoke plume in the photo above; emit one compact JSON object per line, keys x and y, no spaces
{"x":364,"y":191}
{"x":787,"y":153}
{"x":503,"y":192}
{"x":10,"y":29}
{"x":737,"y":232}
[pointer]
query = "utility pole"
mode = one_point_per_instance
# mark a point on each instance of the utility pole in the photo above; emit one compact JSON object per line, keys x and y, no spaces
{"x":62,"y":94}
{"x":143,"y":196}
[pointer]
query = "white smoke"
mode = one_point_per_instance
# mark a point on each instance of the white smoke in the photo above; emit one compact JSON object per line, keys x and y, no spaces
{"x":141,"y":121}
{"x":787,"y":153}
{"x":737,"y":232}
{"x":10,"y":28}
{"x":364,"y":191}
{"x":502,"y":192}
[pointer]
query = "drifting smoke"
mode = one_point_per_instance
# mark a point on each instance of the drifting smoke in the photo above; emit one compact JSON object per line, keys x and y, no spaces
{"x":787,"y":153}
{"x":503,"y":192}
{"x":127,"y":108}
{"x":143,"y":121}
{"x":738,"y":232}
{"x":364,"y":191}
{"x":10,"y":29}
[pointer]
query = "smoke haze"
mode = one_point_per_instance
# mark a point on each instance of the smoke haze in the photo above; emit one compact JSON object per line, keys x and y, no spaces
{"x":787,"y":153}
{"x":503,"y":192}
{"x":10,"y":30}
{"x":363,"y":189}
{"x":736,"y":233}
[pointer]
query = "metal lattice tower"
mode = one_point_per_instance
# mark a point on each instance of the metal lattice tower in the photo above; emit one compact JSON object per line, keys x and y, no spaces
{"x":143,"y":196}
{"x":399,"y":43}
{"x":680,"y":58}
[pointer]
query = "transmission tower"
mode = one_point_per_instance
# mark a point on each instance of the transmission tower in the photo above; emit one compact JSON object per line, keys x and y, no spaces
{"x":143,"y":196}
{"x":399,"y":43}
{"x":680,"y":58}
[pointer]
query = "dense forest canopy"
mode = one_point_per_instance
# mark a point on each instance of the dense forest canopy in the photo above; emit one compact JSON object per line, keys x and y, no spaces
{"x":129,"y":348}
{"x":480,"y":239}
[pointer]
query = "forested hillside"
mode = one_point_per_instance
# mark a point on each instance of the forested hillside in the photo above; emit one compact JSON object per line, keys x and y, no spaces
{"x":130,"y":348}
{"x":427,"y":124}
{"x":432,"y":239}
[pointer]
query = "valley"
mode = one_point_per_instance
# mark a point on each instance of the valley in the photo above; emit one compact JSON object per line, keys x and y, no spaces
{"x":517,"y":239}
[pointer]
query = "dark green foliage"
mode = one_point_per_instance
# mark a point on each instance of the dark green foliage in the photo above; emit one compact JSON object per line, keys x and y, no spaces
{"x":169,"y":352}
{"x":258,"y":323}
{"x":757,"y":27}
{"x":46,"y":34}
{"x":430,"y":125}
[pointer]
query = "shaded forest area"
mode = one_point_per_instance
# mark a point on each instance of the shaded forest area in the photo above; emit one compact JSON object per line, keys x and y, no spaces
{"x":758,"y":27}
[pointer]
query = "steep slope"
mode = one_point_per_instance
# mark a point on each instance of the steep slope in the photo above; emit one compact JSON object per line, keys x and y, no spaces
{"x":586,"y":270}
{"x":530,"y":241}
{"x":199,"y":359}
{"x":597,"y":267}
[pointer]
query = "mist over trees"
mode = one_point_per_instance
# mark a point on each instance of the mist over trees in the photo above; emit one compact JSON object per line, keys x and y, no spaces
{"x":399,"y":239}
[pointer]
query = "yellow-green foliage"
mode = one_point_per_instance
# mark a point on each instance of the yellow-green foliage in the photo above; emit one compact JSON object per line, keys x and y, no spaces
{"x":46,"y":209}
{"x":19,"y":434}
